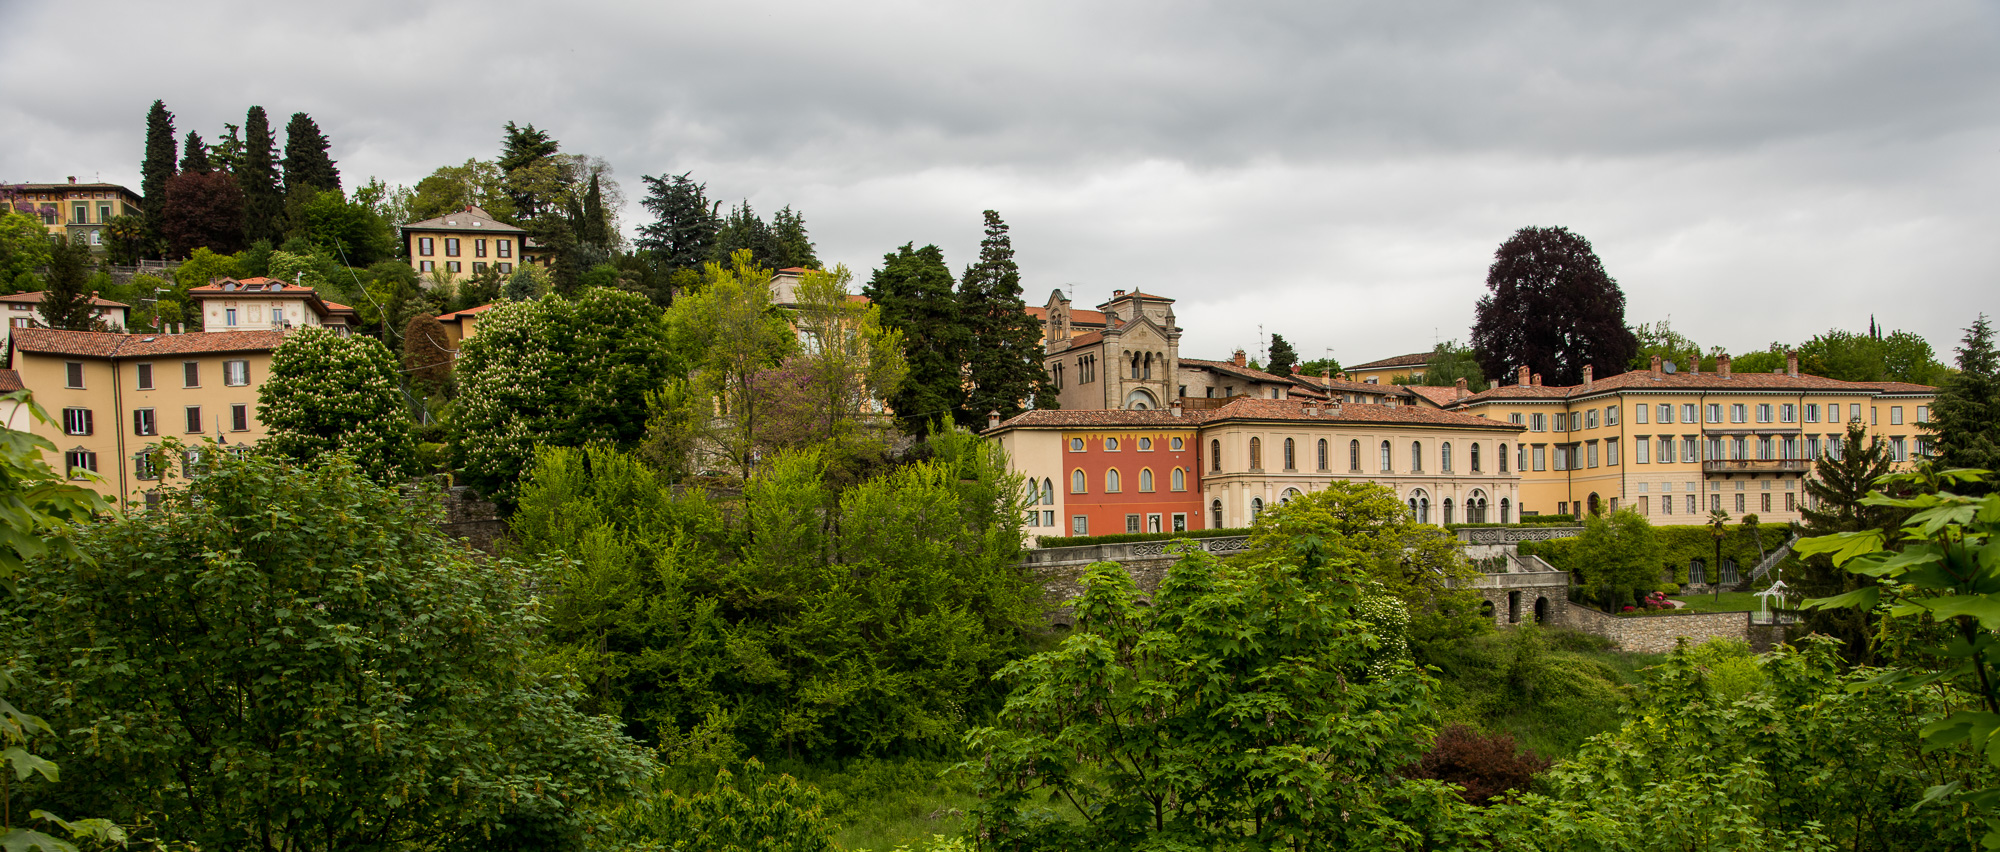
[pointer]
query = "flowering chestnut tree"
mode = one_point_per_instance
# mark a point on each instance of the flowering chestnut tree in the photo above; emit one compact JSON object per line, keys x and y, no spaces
{"x":329,"y":393}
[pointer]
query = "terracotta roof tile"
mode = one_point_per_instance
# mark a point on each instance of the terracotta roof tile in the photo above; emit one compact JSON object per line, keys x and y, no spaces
{"x":1043,"y":418}
{"x":10,"y":381}
{"x":1709,"y":381}
{"x":36,"y":298}
{"x":1086,"y":339}
{"x":1077,"y":317}
{"x":1231,"y":368}
{"x":455,"y":316}
{"x":1437,"y":396}
{"x":97,"y":344}
{"x":1291,"y":410}
{"x":1414,"y":359}
{"x":462,"y":219}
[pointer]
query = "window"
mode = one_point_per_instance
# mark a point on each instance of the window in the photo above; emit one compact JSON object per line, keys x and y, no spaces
{"x":1256,"y":507}
{"x":450,"y":246}
{"x":1611,"y":415}
{"x":1687,"y":412}
{"x":505,"y":248}
{"x":1078,"y":483}
{"x":1645,"y":506}
{"x":452,"y":266}
{"x":1503,"y":458}
{"x":1812,"y":446}
{"x":1076,"y":445}
{"x":1111,"y":445}
{"x":82,"y":216}
{"x":1812,"y":412}
{"x":1714,"y":448}
{"x":1666,"y":449}
{"x":1738,"y":449}
{"x":142,"y":422}
{"x":1874,"y":415}
{"x":1788,"y":413}
{"x":1640,"y":413}
{"x":1079,"y":525}
{"x":1522,"y":462}
{"x":1474,"y":453}
{"x":1506,"y":507}
{"x":1291,"y":460}
{"x":239,"y":420}
{"x":1111,"y":481}
{"x":1538,"y":423}
{"x":1738,"y":413}
{"x":1444,"y":457}
{"x":1180,"y":479}
{"x":1667,"y":505}
{"x":1256,"y":454}
{"x":478,"y":266}
{"x":1386,"y":458}
{"x":77,"y":421}
{"x":1590,"y":419}
{"x":194,"y":419}
{"x":73,"y":375}
{"x":190,"y":374}
{"x":426,"y":266}
{"x":145,"y":376}
{"x":1923,"y":414}
{"x":103,"y":214}
{"x":1131,"y":523}
{"x":146,"y":465}
{"x":1145,"y":479}
{"x":425,"y":247}
{"x":1895,"y":415}
{"x":1322,"y":454}
{"x":1176,"y":444}
{"x":1899,"y":449}
{"x":1354,"y":456}
{"x":1611,"y":452}
{"x":1642,"y":450}
{"x":1215,"y":514}
{"x":1791,"y":502}
{"x":1687,"y":449}
{"x":236,"y":374}
{"x":75,"y":462}
{"x":1763,"y":412}
{"x":1145,"y":445}
{"x":1180,"y":522}
{"x":506,"y":268}
{"x":1514,"y":418}
{"x":1666,"y":413}
{"x":228,"y":316}
{"x":1048,"y":518}
{"x":1416,"y":457}
{"x":1590,"y":454}
{"x":1562,"y":507}
{"x":1560,"y":458}
{"x":1715,"y":412}
{"x":479,"y":249}
{"x":1854,"y":412}
{"x":1541,"y":458}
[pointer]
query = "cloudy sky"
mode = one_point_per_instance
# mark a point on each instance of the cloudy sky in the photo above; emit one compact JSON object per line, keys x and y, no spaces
{"x":1339,"y":173}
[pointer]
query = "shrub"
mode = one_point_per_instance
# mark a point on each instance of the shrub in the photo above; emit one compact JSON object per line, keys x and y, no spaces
{"x":1049,"y":541}
{"x":1486,"y":767}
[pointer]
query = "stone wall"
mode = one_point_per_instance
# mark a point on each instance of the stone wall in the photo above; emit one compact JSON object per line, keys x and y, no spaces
{"x":468,"y":517}
{"x":1657,"y":634}
{"x":1060,"y":569}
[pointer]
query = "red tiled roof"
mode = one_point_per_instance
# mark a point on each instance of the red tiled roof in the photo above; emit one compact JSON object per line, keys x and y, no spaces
{"x":1710,"y":381}
{"x":1344,"y":386}
{"x":1086,"y":339}
{"x":1046,"y":419}
{"x":36,"y":298}
{"x":1291,"y":410}
{"x":455,"y":316}
{"x":1231,"y":368}
{"x":1077,"y":316}
{"x":1437,"y":396}
{"x":10,"y":381}
{"x":336,"y":306}
{"x":462,"y":219}
{"x":1414,"y":359}
{"x":1136,"y":294}
{"x":98,"y":344}
{"x":1901,"y":387}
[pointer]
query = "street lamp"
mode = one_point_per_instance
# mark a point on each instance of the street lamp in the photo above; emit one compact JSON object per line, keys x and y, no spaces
{"x":1718,"y":524}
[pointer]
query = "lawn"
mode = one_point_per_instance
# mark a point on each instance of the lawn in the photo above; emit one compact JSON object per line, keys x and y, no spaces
{"x":1725,"y":602}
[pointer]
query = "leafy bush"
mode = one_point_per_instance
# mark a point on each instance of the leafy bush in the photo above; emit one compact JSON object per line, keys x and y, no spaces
{"x":1049,"y":541}
{"x":338,"y":393}
{"x":750,"y":813}
{"x":1486,"y":767}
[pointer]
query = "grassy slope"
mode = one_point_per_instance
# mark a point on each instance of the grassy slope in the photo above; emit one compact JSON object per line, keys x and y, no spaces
{"x":1551,"y":689}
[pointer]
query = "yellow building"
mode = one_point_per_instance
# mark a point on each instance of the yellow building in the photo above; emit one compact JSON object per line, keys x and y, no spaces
{"x":79,"y":210}
{"x":227,"y":304}
{"x":1677,"y":445}
{"x":1388,"y":370}
{"x":115,"y":397}
{"x":464,"y":242}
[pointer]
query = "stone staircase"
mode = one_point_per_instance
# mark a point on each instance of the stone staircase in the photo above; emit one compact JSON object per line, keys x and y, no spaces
{"x":1770,"y":561}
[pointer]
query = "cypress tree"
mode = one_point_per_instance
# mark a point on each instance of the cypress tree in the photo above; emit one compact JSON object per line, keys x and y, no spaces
{"x":795,"y":248}
{"x":156,"y":169}
{"x":1965,"y":418}
{"x":1551,"y":306}
{"x":227,"y":155}
{"x":66,"y":300}
{"x":195,"y":159}
{"x":307,"y":165}
{"x":743,"y":229}
{"x":263,"y":202}
{"x":1283,"y":357}
{"x":1003,"y":343}
{"x":914,"y":290}
{"x":1833,"y":505}
{"x":683,"y":229}
{"x":524,"y":148}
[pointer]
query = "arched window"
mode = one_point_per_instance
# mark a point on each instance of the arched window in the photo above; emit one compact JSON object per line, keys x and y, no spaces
{"x":1256,"y":454}
{"x":1505,"y":516}
{"x":1474,"y":452}
{"x":1444,"y":459}
{"x":1078,"y":483}
{"x":1215,"y":457}
{"x":1256,"y":508}
{"x":1447,"y":510}
{"x":1322,"y":454}
{"x":1503,"y":458}
{"x":1215,"y":515}
{"x":1416,"y":457}
{"x":1048,"y":493}
{"x":1111,"y":481}
{"x":1291,"y":460}
{"x":1386,"y":458}
{"x":1354,"y":456}
{"x":1287,"y":496}
{"x":1180,"y":479}
{"x":1145,"y":479}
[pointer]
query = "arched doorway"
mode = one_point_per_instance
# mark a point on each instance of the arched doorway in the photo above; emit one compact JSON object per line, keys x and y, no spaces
{"x":1513,"y":607}
{"x":1541,"y":610}
{"x":1141,"y":399}
{"x":1596,"y":505}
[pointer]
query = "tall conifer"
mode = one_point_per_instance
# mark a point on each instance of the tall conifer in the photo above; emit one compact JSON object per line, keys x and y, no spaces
{"x":1283,"y":357}
{"x":1965,"y":418}
{"x":913,"y":289}
{"x":1833,"y":505}
{"x":795,"y":248}
{"x":194,"y":159}
{"x":263,"y":202}
{"x":66,"y":300}
{"x":1003,"y":343}
{"x":156,"y":169}
{"x":744,"y":229}
{"x":683,"y":229}
{"x":306,"y":162}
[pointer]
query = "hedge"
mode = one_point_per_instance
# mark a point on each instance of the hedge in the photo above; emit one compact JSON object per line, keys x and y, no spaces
{"x":1049,"y":541}
{"x":1678,"y":545}
{"x":1529,"y":521}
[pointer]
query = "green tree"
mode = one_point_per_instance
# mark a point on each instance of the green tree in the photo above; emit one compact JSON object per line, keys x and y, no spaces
{"x":1319,"y":367}
{"x":523,"y":286}
{"x":66,"y":297}
{"x":308,"y":169}
{"x":756,"y":813}
{"x":1964,"y":427}
{"x":24,"y":245}
{"x":1660,"y":339}
{"x":201,"y":268}
{"x":848,"y":364}
{"x":1620,"y":556}
{"x":1551,"y":307}
{"x":524,"y":157}
{"x":1283,"y":358}
{"x":330,"y":393}
{"x":156,"y":169}
{"x":553,"y":372}
{"x":1850,"y":357}
{"x":743,"y":230}
{"x":683,"y":230}
{"x":227,"y":155}
{"x":1249,"y":707}
{"x":125,"y":241}
{"x":1836,"y":491}
{"x":795,"y":247}
{"x":348,"y":231}
{"x":1449,"y":362}
{"x":280,"y":657}
{"x":479,"y":183}
{"x":914,"y":290}
{"x":1004,"y":344}
{"x":195,"y":155}
{"x":726,"y":334}
{"x":263,"y":201}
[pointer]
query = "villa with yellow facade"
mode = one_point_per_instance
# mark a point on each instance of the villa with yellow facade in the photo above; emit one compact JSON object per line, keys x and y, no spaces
{"x":464,"y":242}
{"x":77,"y":210}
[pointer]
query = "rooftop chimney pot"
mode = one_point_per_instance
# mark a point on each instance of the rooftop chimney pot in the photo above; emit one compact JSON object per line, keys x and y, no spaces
{"x":992,"y":420}
{"x":1239,"y":359}
{"x":1536,"y":379}
{"x":1791,"y":362}
{"x":1459,"y":390}
{"x":1588,"y":372}
{"x":1656,"y":365}
{"x":72,"y":179}
{"x":1722,"y":364}
{"x":1521,"y":375}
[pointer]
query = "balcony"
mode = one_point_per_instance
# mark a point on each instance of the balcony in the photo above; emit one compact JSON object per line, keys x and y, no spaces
{"x":1757,"y":466}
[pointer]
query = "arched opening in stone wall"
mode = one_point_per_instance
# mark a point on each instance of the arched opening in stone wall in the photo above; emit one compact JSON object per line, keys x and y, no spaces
{"x":1513,"y":607}
{"x":1541,"y":610}
{"x":1486,"y":610}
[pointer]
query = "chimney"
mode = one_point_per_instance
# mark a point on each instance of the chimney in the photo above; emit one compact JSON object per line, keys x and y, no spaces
{"x":1588,"y":372}
{"x":1239,"y":359}
{"x":1117,"y":293}
{"x":1460,"y":393}
{"x":992,"y":420}
{"x":1521,"y":376}
{"x":1177,"y":408}
{"x":1694,"y":364}
{"x":1333,"y":410}
{"x":1656,"y":365}
{"x":1722,"y":364}
{"x":1536,"y":380}
{"x":72,"y":179}
{"x":1342,"y":375}
{"x":1328,"y":374}
{"x":1791,"y":362}
{"x":1311,"y":409}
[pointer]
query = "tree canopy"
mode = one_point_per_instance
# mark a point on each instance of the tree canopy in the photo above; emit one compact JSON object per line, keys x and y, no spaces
{"x":66,"y":297}
{"x":332,"y":393}
{"x":914,"y":290}
{"x":1964,"y":427}
{"x":1003,"y":351}
{"x":263,"y":200}
{"x":1551,"y":307}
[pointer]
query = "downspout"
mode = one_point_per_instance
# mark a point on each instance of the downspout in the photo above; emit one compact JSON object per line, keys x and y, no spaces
{"x":117,"y":418}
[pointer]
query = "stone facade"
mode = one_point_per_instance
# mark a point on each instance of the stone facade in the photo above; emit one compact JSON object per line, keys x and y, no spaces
{"x":1658,"y":634}
{"x":468,"y":517}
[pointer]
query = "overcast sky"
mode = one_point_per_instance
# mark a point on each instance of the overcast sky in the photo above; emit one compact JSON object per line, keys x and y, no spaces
{"x":1338,"y":173}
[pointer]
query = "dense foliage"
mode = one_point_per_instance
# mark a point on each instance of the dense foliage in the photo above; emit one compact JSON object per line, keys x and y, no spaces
{"x":329,"y":393}
{"x":914,"y":290}
{"x":1003,"y":351}
{"x":1964,"y":428}
{"x":277,"y":657}
{"x":798,"y":621}
{"x":1551,"y":307}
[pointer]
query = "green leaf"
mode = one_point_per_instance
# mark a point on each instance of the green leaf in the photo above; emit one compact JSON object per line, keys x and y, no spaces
{"x":1863,"y":598}
{"x":1841,"y":546}
{"x":1984,"y":608}
{"x":24,"y":840}
{"x":26,"y":764}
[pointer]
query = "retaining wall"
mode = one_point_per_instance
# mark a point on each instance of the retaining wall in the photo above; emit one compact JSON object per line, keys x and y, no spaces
{"x":1657,"y":634}
{"x":470,"y":518}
